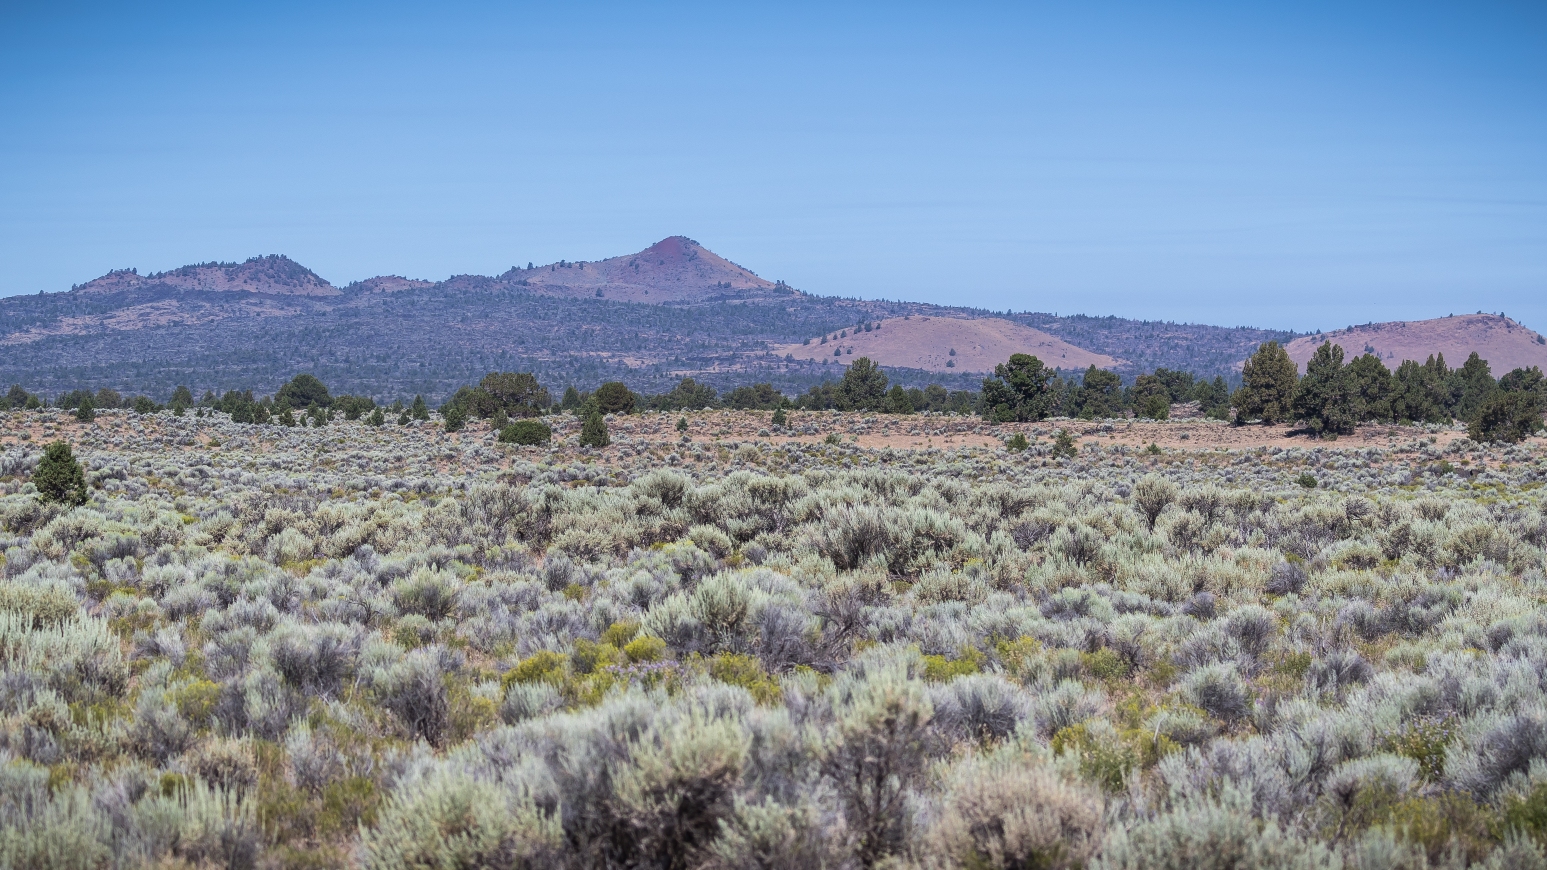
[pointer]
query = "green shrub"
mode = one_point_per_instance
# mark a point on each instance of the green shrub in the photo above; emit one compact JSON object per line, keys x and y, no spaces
{"x":645,"y":649}
{"x":1006,"y":812}
{"x":1105,"y":758}
{"x":1528,"y":813}
{"x":939,"y":669}
{"x":590,"y":656}
{"x":620,"y":633}
{"x":1105,"y":664}
{"x":544,"y":666}
{"x":44,"y":605}
{"x":746,"y":672}
{"x":450,"y":820}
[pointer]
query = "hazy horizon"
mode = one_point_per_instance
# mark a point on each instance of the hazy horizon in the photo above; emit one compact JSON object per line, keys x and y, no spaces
{"x":1301,"y":169}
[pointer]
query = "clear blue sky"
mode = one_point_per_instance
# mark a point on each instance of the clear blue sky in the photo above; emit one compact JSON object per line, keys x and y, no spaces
{"x":1306,"y":166}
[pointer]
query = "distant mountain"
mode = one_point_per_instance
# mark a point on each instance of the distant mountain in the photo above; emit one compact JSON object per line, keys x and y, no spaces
{"x":1501,"y":341}
{"x":675,"y":269}
{"x":272,"y":275}
{"x":674,"y":309}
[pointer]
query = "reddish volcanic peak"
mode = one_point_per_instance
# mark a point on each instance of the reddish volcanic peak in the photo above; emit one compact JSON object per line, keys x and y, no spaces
{"x":672,"y":248}
{"x":675,"y":269}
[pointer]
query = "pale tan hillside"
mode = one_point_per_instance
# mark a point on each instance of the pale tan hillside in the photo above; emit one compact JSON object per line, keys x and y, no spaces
{"x":1504,"y":343}
{"x":926,"y":342}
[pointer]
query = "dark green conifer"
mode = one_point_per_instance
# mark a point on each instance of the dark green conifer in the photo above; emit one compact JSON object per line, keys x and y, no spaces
{"x":594,"y":432}
{"x":59,"y":477}
{"x":1269,"y":390}
{"x":1018,"y":391}
{"x":1327,"y":398}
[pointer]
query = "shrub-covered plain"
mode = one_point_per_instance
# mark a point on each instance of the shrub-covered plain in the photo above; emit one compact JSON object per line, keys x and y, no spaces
{"x":391,"y":647}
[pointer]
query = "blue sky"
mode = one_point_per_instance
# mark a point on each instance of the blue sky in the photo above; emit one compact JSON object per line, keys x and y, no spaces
{"x":1305,"y":167}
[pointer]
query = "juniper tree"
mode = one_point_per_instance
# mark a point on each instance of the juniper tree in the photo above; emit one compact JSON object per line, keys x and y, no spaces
{"x":1373,"y":386}
{"x":1178,"y":384}
{"x":687,"y":395}
{"x":59,"y":477}
{"x":1151,"y":397}
{"x":526,"y":432}
{"x":614,"y":397}
{"x":1526,"y":380}
{"x":1268,"y":393}
{"x":182,"y":397}
{"x":1471,"y":386}
{"x":1327,"y":398}
{"x":1017,"y":393}
{"x":518,"y":394}
{"x":1507,"y":416}
{"x":1413,"y":394}
{"x":594,"y":432}
{"x":1101,"y":394}
{"x":303,"y":391}
{"x":754,"y":397}
{"x":1063,"y":444}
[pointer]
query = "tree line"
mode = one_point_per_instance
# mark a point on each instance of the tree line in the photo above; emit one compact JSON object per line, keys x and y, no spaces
{"x":1330,"y":400}
{"x":1333,"y":397}
{"x":1023,"y":389}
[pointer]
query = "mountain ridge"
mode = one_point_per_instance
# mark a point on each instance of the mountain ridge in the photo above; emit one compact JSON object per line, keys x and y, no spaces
{"x":271,"y":274}
{"x":671,"y":310}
